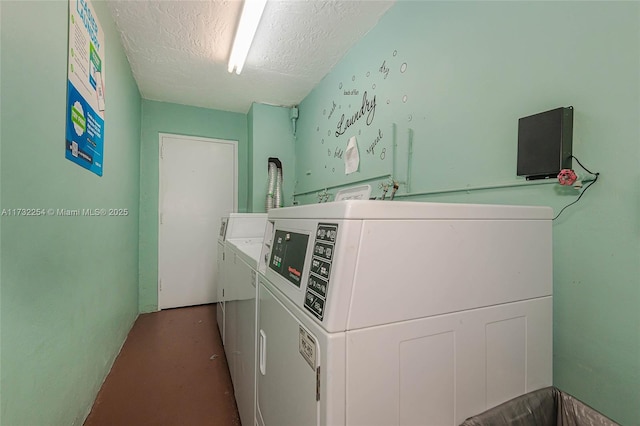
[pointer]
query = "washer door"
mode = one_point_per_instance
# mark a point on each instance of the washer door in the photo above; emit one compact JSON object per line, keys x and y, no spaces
{"x":286,"y":379}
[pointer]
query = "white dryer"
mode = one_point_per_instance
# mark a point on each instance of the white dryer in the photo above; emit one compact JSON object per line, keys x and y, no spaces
{"x":401,"y":313}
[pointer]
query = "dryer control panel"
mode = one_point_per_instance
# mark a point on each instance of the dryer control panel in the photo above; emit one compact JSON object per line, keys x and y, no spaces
{"x":318,"y":281}
{"x":288,"y":255}
{"x":223,"y":228}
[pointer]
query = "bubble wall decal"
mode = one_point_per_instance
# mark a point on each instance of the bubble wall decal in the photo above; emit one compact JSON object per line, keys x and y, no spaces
{"x":366,"y":114}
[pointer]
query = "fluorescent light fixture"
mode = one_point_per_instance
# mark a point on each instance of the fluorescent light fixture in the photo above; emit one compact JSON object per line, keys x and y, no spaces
{"x":249,"y":20}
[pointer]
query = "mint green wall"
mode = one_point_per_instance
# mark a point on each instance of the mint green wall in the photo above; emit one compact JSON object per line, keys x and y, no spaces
{"x":272,"y":136}
{"x":161,"y":117}
{"x":0,"y":218}
{"x":69,"y":284}
{"x":472,"y":69}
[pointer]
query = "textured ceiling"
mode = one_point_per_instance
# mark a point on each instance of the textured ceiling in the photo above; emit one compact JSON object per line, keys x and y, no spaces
{"x":178,"y":50}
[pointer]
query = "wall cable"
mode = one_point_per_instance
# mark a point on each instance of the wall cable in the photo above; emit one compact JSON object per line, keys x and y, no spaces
{"x":596,"y":174}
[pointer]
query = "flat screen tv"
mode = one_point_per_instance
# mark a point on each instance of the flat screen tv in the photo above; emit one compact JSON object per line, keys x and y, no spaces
{"x":544,"y":143}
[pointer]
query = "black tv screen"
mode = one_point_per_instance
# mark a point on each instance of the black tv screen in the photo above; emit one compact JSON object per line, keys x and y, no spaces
{"x":544,"y":143}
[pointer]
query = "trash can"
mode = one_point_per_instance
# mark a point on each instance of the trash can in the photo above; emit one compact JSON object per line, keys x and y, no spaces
{"x":544,"y":407}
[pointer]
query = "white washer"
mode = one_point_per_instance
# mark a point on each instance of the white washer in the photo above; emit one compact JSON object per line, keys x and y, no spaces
{"x":243,"y":242}
{"x":240,"y":321}
{"x":236,"y":226}
{"x":220,"y":275}
{"x":401,"y":313}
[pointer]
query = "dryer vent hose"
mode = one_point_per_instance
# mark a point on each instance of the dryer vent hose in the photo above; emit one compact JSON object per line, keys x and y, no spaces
{"x":274,"y":187}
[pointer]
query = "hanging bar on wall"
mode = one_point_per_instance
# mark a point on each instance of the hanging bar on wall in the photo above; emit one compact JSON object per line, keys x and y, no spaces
{"x":409,"y":162}
{"x":483,"y":187}
{"x":394,"y":148}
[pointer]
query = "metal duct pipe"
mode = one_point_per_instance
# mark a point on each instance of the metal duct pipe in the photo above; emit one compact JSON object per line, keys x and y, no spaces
{"x":273,"y":172}
{"x":278,"y":192}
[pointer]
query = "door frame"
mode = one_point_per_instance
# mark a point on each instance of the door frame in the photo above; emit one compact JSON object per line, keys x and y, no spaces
{"x":161,"y":136}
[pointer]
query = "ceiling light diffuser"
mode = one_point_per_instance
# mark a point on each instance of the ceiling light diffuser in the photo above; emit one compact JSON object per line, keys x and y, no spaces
{"x":249,"y":20}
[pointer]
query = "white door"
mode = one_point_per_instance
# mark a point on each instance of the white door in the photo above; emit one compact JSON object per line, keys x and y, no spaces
{"x":198,"y":186}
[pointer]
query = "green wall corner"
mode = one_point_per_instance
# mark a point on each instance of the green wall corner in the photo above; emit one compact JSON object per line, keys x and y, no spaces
{"x":272,"y":136}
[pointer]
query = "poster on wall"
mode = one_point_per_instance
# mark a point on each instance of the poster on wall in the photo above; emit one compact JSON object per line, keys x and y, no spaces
{"x":85,"y":88}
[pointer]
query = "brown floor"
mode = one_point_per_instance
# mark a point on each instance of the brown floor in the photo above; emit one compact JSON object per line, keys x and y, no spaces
{"x":171,"y":371}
